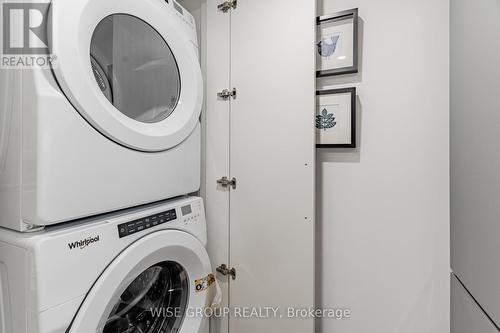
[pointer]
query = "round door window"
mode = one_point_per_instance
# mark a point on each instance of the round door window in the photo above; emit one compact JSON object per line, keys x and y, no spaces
{"x":135,"y":68}
{"x":155,"y":302}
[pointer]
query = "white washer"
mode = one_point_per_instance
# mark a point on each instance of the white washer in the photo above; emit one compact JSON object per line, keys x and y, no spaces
{"x":107,"y":275}
{"x":114,"y":123}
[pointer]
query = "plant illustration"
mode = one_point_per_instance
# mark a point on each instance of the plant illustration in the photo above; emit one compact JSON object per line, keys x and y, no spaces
{"x":325,"y":120}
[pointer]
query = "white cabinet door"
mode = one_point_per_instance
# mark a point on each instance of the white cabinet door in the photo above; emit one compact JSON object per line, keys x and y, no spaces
{"x":272,"y":158}
{"x":264,"y":137}
{"x":217,"y":78}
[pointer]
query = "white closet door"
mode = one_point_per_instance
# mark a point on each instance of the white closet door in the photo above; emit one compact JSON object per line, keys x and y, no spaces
{"x":272,"y":158}
{"x":217,"y":124}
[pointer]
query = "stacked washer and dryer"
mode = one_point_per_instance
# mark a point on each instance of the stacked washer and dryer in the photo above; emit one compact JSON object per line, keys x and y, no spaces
{"x":97,"y":157}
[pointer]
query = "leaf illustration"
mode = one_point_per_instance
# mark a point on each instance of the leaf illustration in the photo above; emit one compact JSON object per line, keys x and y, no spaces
{"x":325,"y":120}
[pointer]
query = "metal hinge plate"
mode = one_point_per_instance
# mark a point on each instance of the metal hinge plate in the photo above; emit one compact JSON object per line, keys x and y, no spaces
{"x":225,"y":182}
{"x":224,"y":270}
{"x":227,"y":5}
{"x":33,"y":227}
{"x":226,"y":93}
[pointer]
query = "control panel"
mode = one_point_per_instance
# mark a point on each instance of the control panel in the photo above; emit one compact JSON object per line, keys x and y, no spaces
{"x":191,"y":212}
{"x":144,"y":223}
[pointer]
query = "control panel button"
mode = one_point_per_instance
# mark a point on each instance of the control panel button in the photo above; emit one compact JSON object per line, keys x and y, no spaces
{"x":122,"y":231}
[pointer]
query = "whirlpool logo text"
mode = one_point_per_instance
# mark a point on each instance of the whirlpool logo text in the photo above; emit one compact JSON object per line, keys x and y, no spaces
{"x":81,"y":244}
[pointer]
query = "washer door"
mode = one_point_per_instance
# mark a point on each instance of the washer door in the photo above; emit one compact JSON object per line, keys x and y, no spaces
{"x":149,"y":288}
{"x":129,"y":68}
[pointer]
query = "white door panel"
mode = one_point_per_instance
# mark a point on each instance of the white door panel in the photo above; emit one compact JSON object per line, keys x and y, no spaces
{"x":217,"y":146}
{"x":272,"y":157}
{"x":265,"y":139}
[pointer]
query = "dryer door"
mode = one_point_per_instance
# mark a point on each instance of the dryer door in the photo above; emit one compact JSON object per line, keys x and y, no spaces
{"x":130,"y":68}
{"x":156,"y":285}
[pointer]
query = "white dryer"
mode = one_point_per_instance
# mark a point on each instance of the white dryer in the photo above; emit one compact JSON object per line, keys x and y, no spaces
{"x":114,"y":123}
{"x":141,"y":271}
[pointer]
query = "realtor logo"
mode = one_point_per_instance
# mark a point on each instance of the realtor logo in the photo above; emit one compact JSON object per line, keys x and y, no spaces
{"x":26,"y":27}
{"x":26,"y":34}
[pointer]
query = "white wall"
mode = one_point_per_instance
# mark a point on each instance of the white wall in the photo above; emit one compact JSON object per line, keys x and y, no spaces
{"x":475,"y":190}
{"x":383,"y":209}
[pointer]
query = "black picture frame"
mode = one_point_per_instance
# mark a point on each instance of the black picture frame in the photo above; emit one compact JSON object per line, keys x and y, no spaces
{"x":339,"y":16}
{"x":353,"y":93}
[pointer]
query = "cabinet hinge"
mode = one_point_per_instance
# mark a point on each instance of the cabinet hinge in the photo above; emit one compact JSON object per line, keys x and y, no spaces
{"x":224,"y":270}
{"x":226,"y":93}
{"x":225,"y":182}
{"x":227,"y":5}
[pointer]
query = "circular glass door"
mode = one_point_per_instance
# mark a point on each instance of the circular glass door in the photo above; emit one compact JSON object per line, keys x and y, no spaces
{"x":155,"y":302}
{"x":135,"y":68}
{"x":130,"y":69}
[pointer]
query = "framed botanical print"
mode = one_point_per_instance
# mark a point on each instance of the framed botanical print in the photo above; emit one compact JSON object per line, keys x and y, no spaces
{"x":337,"y":43}
{"x":336,"y":118}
